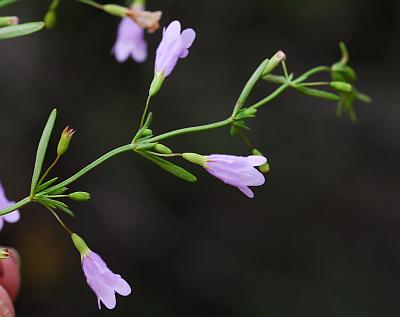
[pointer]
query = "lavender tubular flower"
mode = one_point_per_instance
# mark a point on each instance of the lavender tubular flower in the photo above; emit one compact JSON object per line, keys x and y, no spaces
{"x":237,"y":171}
{"x":100,"y":278}
{"x":130,"y":41}
{"x":174,"y":45}
{"x":12,"y":217}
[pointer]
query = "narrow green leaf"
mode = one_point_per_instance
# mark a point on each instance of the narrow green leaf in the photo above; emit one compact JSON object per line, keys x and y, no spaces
{"x":57,"y":191}
{"x":46,"y":184}
{"x":317,"y":93}
{"x":12,"y":31}
{"x":170,"y":168}
{"x":4,"y":3}
{"x":66,"y":210}
{"x":55,"y":204}
{"x":42,"y":148}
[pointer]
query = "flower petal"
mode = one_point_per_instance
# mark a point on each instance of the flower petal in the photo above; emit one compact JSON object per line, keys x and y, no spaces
{"x":130,"y":42}
{"x":119,"y":284}
{"x":173,"y":31}
{"x":256,"y":160}
{"x":12,"y":217}
{"x":247,"y":191}
{"x":187,"y":37}
{"x":103,"y":281}
{"x":173,"y":46}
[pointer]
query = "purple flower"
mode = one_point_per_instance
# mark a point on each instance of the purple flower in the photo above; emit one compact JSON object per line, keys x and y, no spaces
{"x":174,"y":45}
{"x":102,"y":281}
{"x":100,"y":278}
{"x":130,"y":41}
{"x":237,"y":171}
{"x":12,"y":217}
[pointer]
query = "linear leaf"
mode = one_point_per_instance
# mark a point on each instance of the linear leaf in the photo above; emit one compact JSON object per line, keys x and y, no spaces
{"x":46,"y":184}
{"x":42,"y":148}
{"x":4,"y":3}
{"x":12,"y":31}
{"x":170,"y":168}
{"x":317,"y":93}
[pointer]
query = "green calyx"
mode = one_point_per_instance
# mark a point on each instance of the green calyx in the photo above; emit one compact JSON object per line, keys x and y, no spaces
{"x":139,"y":3}
{"x":80,"y":245}
{"x":156,"y":84}
{"x":196,"y":159}
{"x":116,"y":10}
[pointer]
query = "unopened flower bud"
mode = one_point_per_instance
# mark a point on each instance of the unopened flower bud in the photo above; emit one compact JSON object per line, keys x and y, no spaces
{"x":341,"y":86}
{"x":80,"y":245}
{"x":274,"y":62}
{"x":79,"y":196}
{"x":147,"y":132}
{"x":162,"y":149}
{"x":4,"y":253}
{"x":156,"y":84}
{"x":50,"y":19}
{"x":7,"y":21}
{"x":250,"y":112}
{"x":195,"y":158}
{"x":264,"y":168}
{"x":65,"y":140}
{"x":145,"y":19}
{"x":341,"y":72}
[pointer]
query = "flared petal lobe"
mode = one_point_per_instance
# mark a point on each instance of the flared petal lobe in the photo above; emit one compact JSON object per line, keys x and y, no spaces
{"x":103,"y":281}
{"x":237,"y":171}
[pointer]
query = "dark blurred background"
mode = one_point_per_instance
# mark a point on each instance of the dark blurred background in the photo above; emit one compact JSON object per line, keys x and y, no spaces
{"x":321,"y":238}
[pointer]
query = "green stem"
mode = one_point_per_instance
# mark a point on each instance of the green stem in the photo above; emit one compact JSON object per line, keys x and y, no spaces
{"x":319,"y":83}
{"x":48,"y":170}
{"x":91,"y":3}
{"x":272,"y":96}
{"x":88,"y":168}
{"x":285,"y":71}
{"x":246,"y":140}
{"x":146,"y":107}
{"x":311,"y":72}
{"x":199,"y":128}
{"x":164,"y":155}
{"x":14,"y":207}
{"x":60,"y":221}
{"x":141,"y":3}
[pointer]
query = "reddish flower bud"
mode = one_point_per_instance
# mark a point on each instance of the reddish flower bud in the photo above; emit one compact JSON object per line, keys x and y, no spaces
{"x":65,"y":140}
